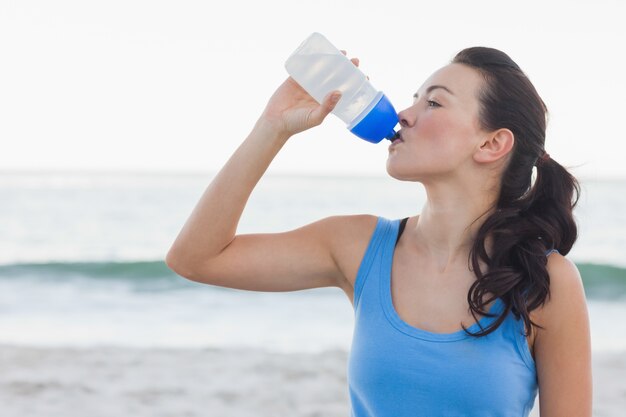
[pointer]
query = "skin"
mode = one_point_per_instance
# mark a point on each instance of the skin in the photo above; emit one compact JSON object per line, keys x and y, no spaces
{"x":459,"y":164}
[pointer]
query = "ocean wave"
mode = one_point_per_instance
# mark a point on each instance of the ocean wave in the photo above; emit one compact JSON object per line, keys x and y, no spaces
{"x":138,"y":275}
{"x":600,"y":281}
{"x":108,"y":270}
{"x":603,"y":281}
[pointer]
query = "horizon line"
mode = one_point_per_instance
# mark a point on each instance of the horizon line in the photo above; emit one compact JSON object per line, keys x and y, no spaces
{"x":268,"y":173}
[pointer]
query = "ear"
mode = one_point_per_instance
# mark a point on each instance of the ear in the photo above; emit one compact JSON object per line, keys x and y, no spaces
{"x":495,"y":146}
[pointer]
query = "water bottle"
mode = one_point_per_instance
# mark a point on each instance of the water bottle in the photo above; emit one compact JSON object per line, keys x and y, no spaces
{"x":320,"y":68}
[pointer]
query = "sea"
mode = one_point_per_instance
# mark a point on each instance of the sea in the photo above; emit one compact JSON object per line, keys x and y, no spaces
{"x":82,"y":261}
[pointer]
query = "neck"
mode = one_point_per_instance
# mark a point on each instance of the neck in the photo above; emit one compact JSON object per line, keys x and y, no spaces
{"x":450,"y":220}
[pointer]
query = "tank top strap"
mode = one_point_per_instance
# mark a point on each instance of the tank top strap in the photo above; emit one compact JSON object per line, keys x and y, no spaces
{"x":401,"y":228}
{"x":384,"y":231}
{"x":514,"y":329}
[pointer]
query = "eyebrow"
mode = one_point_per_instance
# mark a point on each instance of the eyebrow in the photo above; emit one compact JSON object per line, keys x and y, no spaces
{"x":434,"y":87}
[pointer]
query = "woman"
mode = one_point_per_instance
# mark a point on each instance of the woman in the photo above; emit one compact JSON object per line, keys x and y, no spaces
{"x":469,"y":308}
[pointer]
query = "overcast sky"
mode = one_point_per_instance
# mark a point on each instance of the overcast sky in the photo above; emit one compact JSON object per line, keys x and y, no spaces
{"x":145,"y":85}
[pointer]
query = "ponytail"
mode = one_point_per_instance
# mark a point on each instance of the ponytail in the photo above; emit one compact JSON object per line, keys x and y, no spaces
{"x":556,"y":194}
{"x":520,"y":235}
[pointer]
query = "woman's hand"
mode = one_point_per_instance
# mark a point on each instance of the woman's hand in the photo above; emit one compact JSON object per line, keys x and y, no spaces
{"x":291,"y":109}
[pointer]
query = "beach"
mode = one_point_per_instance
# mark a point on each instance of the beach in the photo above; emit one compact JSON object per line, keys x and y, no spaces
{"x":113,"y":381}
{"x":100,"y":382}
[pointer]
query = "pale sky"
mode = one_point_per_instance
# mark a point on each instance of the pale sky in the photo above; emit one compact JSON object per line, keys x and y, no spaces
{"x":145,"y":85}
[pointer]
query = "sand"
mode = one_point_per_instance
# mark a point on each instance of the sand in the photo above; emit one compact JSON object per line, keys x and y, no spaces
{"x":110,"y":381}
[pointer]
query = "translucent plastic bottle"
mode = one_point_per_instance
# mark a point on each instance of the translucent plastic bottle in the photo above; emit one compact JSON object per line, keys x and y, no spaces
{"x":319,"y":67}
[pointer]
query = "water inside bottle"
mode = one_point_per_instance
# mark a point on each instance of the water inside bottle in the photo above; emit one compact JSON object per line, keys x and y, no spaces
{"x":321,"y":73}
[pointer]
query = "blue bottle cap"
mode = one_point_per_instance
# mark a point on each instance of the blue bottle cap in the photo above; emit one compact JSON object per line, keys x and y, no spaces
{"x":378,"y":123}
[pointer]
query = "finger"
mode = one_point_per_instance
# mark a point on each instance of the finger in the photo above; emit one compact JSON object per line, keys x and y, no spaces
{"x":343,"y":51}
{"x":355,"y":61}
{"x":328,"y":104}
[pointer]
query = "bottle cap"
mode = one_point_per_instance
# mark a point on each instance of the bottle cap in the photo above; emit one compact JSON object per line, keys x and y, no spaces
{"x":376,"y":123}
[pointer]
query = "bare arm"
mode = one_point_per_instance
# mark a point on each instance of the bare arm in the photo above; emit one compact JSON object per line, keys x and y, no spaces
{"x":563,"y":347}
{"x":209,"y":250}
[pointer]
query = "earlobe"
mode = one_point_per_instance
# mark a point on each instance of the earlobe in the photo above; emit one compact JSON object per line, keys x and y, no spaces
{"x":496,"y":145}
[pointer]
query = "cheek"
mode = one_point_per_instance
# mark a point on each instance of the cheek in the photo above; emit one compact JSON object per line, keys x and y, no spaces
{"x":430,"y":127}
{"x":436,"y":135}
{"x":446,"y":130}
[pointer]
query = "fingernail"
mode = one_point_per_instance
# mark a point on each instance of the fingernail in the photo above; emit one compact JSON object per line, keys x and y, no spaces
{"x":335,"y":97}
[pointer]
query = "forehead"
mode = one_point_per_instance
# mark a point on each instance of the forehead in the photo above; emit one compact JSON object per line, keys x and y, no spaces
{"x":463,"y":81}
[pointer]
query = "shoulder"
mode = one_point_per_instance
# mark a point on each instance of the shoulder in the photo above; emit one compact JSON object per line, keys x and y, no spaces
{"x":353,"y":221}
{"x":348,"y":237}
{"x":566,"y":305}
{"x":349,"y":232}
{"x":566,"y":284}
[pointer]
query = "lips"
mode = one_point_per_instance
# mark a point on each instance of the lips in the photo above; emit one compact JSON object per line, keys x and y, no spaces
{"x":397,"y":138}
{"x":395,"y":142}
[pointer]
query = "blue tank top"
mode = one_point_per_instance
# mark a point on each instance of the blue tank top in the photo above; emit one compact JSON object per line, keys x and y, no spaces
{"x":397,"y":370}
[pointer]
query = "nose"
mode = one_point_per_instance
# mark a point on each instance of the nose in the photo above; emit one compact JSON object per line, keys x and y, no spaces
{"x":407,"y":117}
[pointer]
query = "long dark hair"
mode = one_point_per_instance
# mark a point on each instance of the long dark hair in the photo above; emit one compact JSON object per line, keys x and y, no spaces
{"x":530,"y":218}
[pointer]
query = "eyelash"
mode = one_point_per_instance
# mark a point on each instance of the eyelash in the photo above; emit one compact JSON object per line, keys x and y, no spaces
{"x":432,"y":103}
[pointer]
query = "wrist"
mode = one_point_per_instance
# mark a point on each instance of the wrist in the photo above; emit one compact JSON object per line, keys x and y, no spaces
{"x":270,"y":131}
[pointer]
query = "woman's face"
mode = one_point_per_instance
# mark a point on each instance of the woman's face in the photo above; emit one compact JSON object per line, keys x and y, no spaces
{"x":441,"y":131}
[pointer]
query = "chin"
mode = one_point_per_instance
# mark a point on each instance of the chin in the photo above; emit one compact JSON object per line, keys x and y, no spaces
{"x":402,"y":175}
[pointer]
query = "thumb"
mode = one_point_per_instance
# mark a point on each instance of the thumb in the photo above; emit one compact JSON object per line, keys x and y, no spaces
{"x":321,"y":111}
